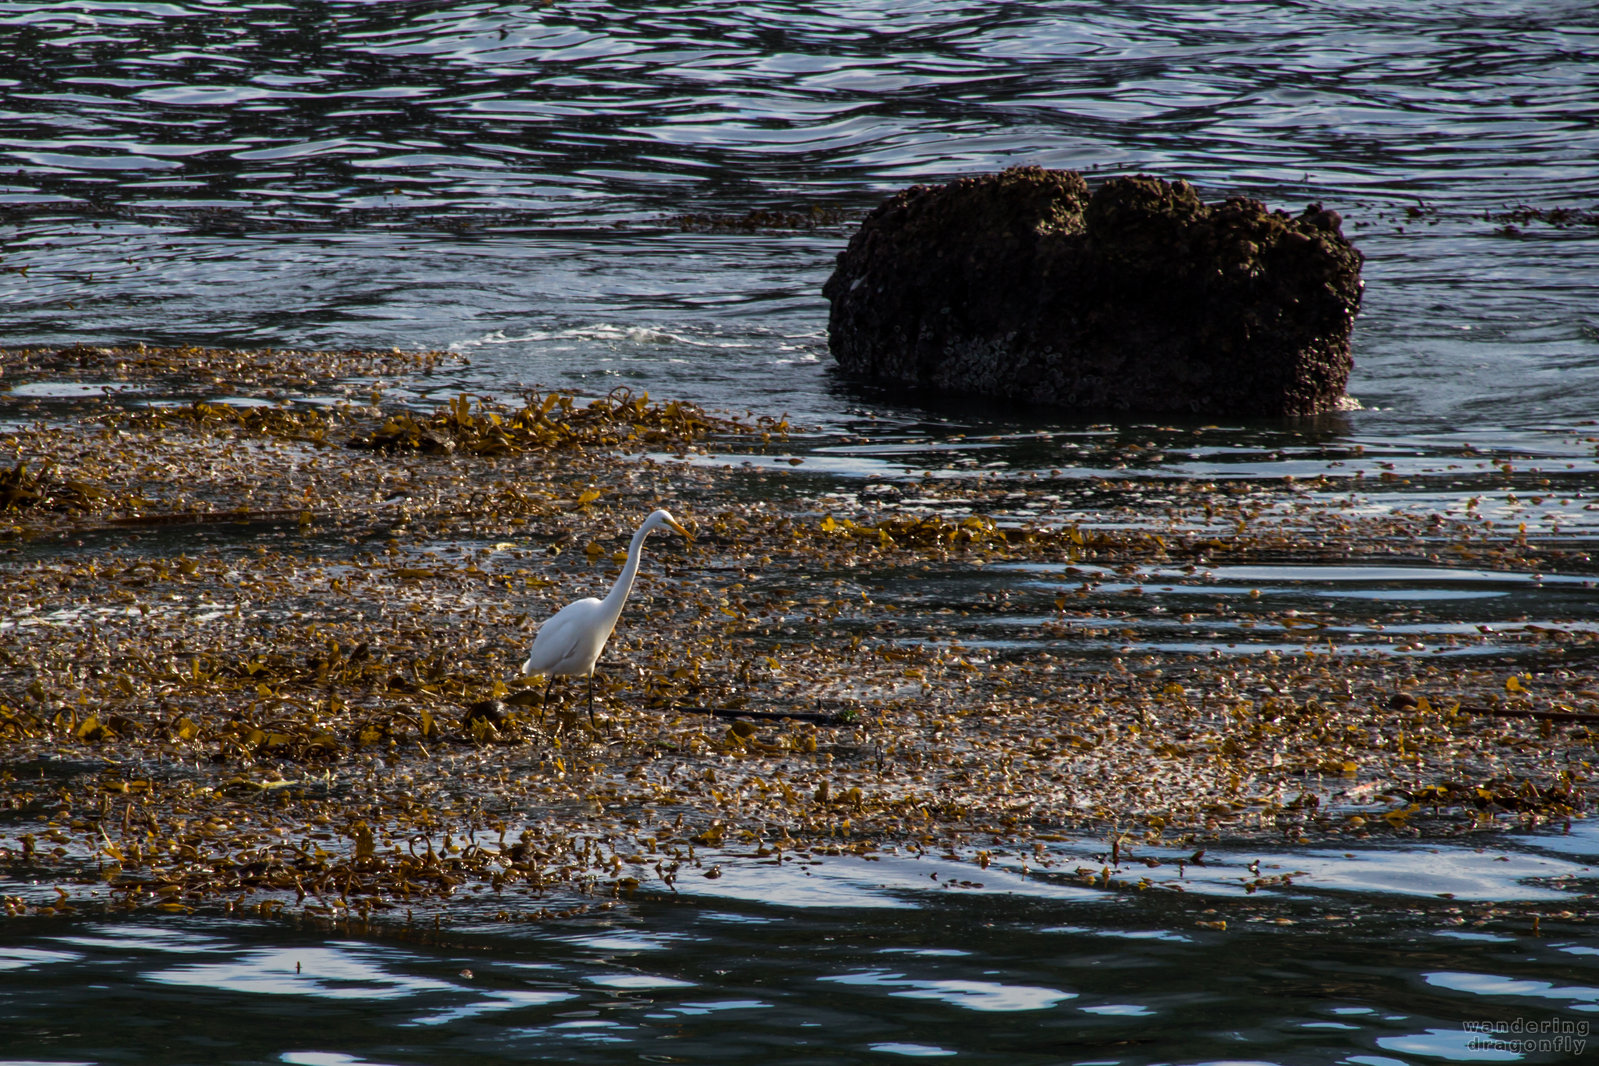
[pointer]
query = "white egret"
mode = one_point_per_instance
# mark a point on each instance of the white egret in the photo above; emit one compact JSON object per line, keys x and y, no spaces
{"x":569,"y":644}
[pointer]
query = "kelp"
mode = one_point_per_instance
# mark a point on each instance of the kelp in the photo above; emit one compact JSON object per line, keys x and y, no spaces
{"x":257,"y":420}
{"x":240,"y":368}
{"x":766,"y":220}
{"x":323,"y":710}
{"x":22,"y":489}
{"x":973,"y":531}
{"x":555,"y":420}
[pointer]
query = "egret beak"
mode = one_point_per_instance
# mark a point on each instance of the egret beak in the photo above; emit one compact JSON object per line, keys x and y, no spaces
{"x":686,"y":534}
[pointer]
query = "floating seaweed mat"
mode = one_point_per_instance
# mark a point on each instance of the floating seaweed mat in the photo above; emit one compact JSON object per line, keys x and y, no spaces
{"x":287,"y":423}
{"x":238,"y":366}
{"x":761,"y":219}
{"x":555,"y":420}
{"x":21,"y":489}
{"x":1558,"y":798}
{"x":933,"y":530}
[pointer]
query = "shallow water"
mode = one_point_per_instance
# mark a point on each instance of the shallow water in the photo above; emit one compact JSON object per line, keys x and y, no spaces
{"x":1391,"y":955}
{"x":560,"y":193}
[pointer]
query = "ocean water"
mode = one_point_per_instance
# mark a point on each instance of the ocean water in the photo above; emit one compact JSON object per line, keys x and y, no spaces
{"x":584,"y":195}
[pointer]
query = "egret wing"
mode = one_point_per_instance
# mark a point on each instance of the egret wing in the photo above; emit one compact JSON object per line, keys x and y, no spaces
{"x":563,"y":644}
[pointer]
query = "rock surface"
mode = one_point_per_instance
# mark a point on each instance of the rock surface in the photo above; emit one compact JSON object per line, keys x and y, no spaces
{"x":1137,"y":297}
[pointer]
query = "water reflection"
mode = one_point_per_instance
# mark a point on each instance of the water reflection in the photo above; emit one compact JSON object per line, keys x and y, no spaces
{"x":971,"y":995}
{"x":1309,"y":972}
{"x":337,"y":971}
{"x":471,"y":93}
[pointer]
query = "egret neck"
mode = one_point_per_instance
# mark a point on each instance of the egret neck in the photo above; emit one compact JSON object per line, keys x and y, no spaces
{"x":611,"y":606}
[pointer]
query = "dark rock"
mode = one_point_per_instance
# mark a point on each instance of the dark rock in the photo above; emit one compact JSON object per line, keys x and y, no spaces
{"x":1137,"y":297}
{"x":490,"y":712}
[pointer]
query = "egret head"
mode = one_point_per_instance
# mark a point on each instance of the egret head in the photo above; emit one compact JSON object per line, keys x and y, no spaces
{"x":664,"y":518}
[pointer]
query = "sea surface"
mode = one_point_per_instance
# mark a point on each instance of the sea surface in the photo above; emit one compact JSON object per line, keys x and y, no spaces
{"x":584,"y":195}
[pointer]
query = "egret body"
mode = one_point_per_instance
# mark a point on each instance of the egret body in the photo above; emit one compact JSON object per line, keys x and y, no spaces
{"x":569,"y":644}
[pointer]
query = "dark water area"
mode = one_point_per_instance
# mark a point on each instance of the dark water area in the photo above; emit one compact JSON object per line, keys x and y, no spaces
{"x":585,"y":196}
{"x":866,"y":962}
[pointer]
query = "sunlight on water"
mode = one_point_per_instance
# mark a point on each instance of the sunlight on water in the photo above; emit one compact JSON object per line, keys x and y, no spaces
{"x":28,"y":959}
{"x":335,"y":972}
{"x":912,"y":1050}
{"x":1494,"y":985}
{"x":499,"y":1000}
{"x":970,"y":995}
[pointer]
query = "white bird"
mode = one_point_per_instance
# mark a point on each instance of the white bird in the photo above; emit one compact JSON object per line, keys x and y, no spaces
{"x":569,"y":644}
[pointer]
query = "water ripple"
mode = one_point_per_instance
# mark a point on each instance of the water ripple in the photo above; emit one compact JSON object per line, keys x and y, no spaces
{"x":337,"y":971}
{"x":1210,"y":91}
{"x":972,"y":995}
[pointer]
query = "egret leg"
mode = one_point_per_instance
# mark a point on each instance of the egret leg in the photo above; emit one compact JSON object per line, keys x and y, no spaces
{"x":591,"y":697}
{"x":545,"y":706}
